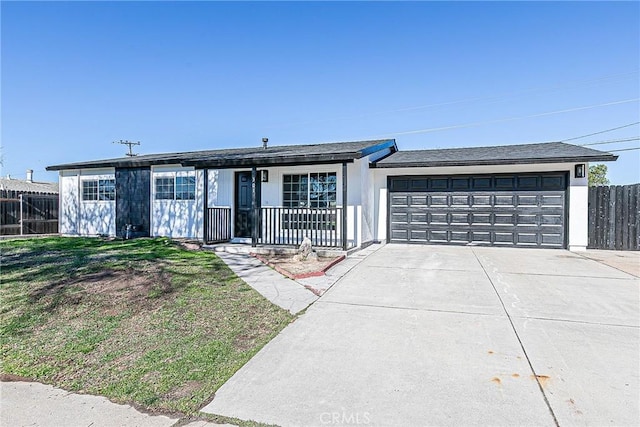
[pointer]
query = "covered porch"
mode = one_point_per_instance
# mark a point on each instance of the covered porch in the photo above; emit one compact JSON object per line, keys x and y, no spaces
{"x":268,"y":207}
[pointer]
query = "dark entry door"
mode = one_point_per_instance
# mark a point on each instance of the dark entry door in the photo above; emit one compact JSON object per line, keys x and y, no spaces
{"x":244,"y":214}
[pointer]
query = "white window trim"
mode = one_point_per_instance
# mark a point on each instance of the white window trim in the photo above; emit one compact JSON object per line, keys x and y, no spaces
{"x":175,"y":175}
{"x":97,"y":181}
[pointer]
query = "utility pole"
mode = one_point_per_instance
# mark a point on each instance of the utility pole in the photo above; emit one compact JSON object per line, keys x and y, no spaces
{"x":130,"y":144}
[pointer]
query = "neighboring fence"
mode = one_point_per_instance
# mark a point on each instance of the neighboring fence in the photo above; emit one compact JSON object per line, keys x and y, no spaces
{"x":614,"y":217}
{"x":29,"y":214}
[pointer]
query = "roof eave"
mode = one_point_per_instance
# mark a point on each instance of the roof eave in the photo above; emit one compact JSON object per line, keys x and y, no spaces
{"x":577,"y":159}
{"x":389,"y":143}
{"x":271,"y":161}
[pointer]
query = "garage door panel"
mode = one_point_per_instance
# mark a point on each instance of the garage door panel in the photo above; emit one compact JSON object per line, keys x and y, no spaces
{"x":418,"y":235}
{"x":481,"y":200}
{"x":438,"y":201}
{"x":398,"y":201}
{"x":492,"y":210}
{"x":418,"y":218}
{"x":504,"y":200}
{"x":481,"y":237}
{"x":552,"y":200}
{"x":418,"y":200}
{"x":438,"y":236}
{"x":523,"y":200}
{"x":551,"y":219}
{"x":481,"y":218}
{"x":527,"y":219}
{"x":460,"y":200}
{"x":399,"y":235}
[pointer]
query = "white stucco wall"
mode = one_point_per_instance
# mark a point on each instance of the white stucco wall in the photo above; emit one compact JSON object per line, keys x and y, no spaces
{"x":177,"y":218}
{"x":69,"y":209}
{"x":577,"y":227}
{"x":578,"y":211}
{"x":80,"y":217}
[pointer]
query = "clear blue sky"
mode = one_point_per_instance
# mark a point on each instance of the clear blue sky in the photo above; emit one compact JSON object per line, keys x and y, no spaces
{"x":189,"y":76}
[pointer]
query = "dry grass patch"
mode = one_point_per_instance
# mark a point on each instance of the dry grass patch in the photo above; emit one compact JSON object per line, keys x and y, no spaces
{"x":143,"y":321}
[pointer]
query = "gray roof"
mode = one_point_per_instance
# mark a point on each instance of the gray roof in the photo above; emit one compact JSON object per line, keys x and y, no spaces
{"x":23,"y":186}
{"x":246,"y":157}
{"x":547,"y":152}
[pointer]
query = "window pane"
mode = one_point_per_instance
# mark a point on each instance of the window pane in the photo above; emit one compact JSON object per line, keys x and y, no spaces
{"x":107,"y":189}
{"x":322,"y":193}
{"x":186,"y":188}
{"x":294,"y":191}
{"x":164,"y":188}
{"x":90,"y":190}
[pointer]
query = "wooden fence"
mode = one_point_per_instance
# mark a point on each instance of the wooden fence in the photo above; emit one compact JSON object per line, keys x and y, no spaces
{"x":614,"y":217}
{"x":29,"y":214}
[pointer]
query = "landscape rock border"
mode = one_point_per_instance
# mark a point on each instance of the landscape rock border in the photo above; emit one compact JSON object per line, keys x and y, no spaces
{"x":292,"y":276}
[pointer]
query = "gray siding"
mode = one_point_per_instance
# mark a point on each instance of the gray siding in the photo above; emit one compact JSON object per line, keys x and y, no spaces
{"x":133,"y":198}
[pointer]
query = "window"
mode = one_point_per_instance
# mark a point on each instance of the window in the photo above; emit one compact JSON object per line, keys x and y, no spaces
{"x":107,"y":189}
{"x":175,"y":188}
{"x":98,"y":190}
{"x":185,"y":188}
{"x":164,"y":188}
{"x":89,"y":190}
{"x":315,"y":190}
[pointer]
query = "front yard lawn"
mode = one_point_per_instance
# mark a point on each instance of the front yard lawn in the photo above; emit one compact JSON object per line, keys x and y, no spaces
{"x":143,"y":321}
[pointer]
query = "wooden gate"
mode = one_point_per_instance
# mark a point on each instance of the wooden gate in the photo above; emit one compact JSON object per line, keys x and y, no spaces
{"x":614,"y":217}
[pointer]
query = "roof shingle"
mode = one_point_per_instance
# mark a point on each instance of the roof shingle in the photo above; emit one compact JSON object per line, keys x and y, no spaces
{"x":547,"y":152}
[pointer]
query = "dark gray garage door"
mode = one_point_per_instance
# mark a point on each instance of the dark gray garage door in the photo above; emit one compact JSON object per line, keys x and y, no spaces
{"x":494,"y":210}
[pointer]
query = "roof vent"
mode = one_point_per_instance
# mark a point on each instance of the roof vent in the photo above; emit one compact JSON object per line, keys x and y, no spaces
{"x":30,"y":175}
{"x":264,"y":142}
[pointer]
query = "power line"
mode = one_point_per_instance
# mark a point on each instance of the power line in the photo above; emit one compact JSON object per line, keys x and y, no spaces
{"x":623,"y":149}
{"x":494,"y":98}
{"x":612,"y":141}
{"x":624,"y":101}
{"x":602,"y":131}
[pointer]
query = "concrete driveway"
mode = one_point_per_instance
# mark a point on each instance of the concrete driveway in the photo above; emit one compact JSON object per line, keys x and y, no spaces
{"x":441,"y":335}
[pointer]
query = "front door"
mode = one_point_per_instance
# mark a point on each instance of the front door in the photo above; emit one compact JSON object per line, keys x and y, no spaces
{"x":244,"y":214}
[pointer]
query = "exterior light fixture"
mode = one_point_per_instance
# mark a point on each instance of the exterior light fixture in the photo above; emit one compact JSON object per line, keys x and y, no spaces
{"x":581,"y":170}
{"x":264,"y":176}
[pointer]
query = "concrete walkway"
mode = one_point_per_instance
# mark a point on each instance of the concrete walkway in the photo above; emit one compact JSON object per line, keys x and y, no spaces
{"x":441,"y":335}
{"x":35,"y":404}
{"x":275,"y":287}
{"x":286,"y":293}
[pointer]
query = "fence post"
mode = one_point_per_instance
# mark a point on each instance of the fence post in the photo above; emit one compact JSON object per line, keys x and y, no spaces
{"x":343,"y":220}
{"x":254,"y":209}
{"x":205,"y":202}
{"x":21,"y":214}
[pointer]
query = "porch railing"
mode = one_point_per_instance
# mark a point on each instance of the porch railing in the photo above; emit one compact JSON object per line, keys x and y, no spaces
{"x":289,"y":226}
{"x":282,"y":226}
{"x":218,"y":225}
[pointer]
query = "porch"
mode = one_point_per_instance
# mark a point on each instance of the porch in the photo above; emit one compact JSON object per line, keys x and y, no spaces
{"x":281,"y":226}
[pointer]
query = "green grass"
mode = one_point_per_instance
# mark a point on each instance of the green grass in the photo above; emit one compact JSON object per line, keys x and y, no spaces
{"x":142,"y":321}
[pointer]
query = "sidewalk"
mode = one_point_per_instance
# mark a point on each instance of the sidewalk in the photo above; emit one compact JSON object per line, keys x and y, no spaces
{"x":35,"y":404}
